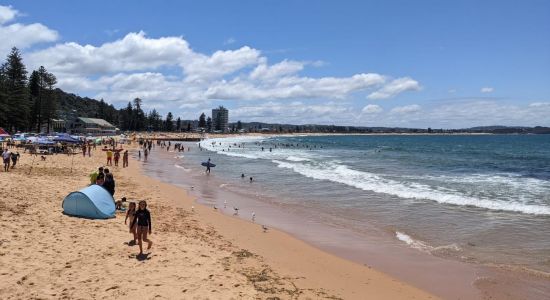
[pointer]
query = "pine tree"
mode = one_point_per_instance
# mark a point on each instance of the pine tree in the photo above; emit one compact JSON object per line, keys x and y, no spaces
{"x":3,"y":97}
{"x":34,"y":100}
{"x":202,"y":121}
{"x":169,"y":125}
{"x":48,"y":109}
{"x":16,"y":80}
{"x":138,"y":116}
{"x":178,"y":124}
{"x":126,"y":117}
{"x":209,"y":124}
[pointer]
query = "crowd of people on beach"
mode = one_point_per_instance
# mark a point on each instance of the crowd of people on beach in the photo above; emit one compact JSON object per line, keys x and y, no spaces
{"x":115,"y":154}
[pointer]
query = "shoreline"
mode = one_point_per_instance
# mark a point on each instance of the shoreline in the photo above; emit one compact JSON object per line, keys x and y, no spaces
{"x":195,"y":254}
{"x":480,"y":280}
{"x":286,"y":253}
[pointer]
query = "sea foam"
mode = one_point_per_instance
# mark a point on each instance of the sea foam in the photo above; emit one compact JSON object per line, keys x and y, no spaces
{"x":337,"y":172}
{"x":375,"y":183}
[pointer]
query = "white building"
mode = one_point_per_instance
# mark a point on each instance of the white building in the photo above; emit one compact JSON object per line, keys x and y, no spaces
{"x":220,"y":119}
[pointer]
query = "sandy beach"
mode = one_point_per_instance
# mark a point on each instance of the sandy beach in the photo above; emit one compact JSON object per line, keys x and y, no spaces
{"x":197,"y":254}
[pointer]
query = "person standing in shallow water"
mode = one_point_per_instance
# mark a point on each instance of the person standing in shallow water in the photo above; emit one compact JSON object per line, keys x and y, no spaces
{"x":142,"y":219}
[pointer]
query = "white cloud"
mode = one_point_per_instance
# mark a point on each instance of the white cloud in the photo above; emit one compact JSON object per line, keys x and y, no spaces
{"x":168,"y":74}
{"x":407,"y":109}
{"x":219,"y":64}
{"x":293,"y":87}
{"x":540,"y":104}
{"x":134,"y":52}
{"x":372,"y":109}
{"x":240,"y":74}
{"x":294,"y":112}
{"x":7,"y":13}
{"x":284,"y":68}
{"x":487,"y":89}
{"x":452,"y":91}
{"x":21,"y":35}
{"x":395,"y":87}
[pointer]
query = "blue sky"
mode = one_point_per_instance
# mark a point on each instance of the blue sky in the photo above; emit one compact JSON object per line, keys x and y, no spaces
{"x":373,"y":63}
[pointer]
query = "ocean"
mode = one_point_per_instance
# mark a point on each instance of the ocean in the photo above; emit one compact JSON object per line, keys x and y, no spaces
{"x":482,"y":199}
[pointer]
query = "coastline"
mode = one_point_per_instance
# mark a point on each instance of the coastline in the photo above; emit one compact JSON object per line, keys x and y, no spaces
{"x":312,"y":268}
{"x":199,"y":253}
{"x":446,"y":278}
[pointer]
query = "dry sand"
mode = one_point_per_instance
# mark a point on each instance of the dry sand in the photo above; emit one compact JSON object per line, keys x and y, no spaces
{"x":198,"y":254}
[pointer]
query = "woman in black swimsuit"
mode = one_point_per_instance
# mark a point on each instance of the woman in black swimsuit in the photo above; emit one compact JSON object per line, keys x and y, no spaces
{"x":142,"y":218}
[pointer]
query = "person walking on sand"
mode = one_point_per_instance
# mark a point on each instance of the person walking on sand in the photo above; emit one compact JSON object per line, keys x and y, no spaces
{"x":125,"y":159}
{"x":130,"y":214}
{"x":6,"y":156}
{"x":145,"y":153}
{"x":109,"y":183}
{"x":109,"y":157}
{"x":142,"y":219}
{"x":117,"y":158}
{"x":14,"y":159}
{"x":139,"y":154}
{"x":84,"y":150}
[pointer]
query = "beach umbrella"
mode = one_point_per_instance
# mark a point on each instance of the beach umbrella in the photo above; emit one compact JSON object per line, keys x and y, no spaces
{"x":66,"y":139}
{"x":3,"y":133}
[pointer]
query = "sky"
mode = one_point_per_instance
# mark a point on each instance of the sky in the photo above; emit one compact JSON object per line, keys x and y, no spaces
{"x":438,"y":64}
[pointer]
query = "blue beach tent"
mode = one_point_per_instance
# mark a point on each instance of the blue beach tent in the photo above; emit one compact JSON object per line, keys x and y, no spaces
{"x":92,"y":202}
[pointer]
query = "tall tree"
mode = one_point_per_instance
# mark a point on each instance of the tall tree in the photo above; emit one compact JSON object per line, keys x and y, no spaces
{"x":126,"y":117}
{"x":16,"y":81}
{"x":138,"y":116}
{"x":209,"y":124}
{"x":3,"y":97}
{"x":169,"y":125}
{"x":101,"y":111}
{"x":34,"y":100}
{"x":49,"y":100}
{"x":154,"y":120}
{"x":202,"y":121}
{"x":178,"y":124}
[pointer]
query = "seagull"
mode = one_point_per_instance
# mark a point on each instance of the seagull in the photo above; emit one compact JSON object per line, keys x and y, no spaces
{"x":215,"y":208}
{"x":236,"y":210}
{"x":192,"y":208}
{"x":253,"y":216}
{"x":264,"y":228}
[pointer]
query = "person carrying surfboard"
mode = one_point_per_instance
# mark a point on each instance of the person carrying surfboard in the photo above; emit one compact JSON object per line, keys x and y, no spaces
{"x":208,"y":166}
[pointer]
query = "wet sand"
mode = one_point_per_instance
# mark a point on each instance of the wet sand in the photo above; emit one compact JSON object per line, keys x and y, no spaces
{"x":198,"y":253}
{"x":445,"y":278}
